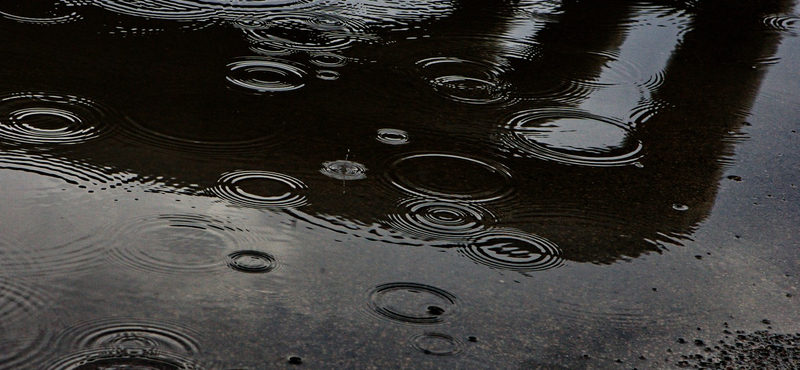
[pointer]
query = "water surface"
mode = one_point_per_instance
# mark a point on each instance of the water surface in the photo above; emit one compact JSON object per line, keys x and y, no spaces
{"x":218,"y":184}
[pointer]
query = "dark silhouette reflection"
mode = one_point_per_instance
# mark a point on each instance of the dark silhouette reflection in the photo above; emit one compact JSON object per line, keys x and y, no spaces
{"x":643,"y":175}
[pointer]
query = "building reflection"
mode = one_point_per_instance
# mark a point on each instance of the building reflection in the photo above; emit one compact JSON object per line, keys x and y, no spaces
{"x":601,"y":166}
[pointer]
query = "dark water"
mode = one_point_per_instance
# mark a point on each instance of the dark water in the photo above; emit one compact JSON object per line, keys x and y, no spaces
{"x":258,"y":184}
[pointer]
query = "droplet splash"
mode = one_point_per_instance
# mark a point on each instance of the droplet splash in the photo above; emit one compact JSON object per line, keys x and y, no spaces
{"x":344,"y":170}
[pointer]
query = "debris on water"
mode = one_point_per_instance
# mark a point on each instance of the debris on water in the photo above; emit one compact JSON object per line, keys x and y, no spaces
{"x":434,"y":310}
{"x":294,"y":360}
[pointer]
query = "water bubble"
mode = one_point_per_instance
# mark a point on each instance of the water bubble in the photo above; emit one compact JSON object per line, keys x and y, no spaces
{"x":53,"y":119}
{"x":440,"y":220}
{"x":451,"y":177}
{"x":251,"y":261}
{"x":131,"y":334}
{"x":174,"y":243}
{"x":410,"y":303}
{"x":392,"y":136}
{"x":571,"y":137}
{"x":465,"y":81}
{"x":260,"y":189}
{"x":508,"y":249}
{"x":344,"y":170}
{"x":266,"y":75}
{"x":680,"y":207}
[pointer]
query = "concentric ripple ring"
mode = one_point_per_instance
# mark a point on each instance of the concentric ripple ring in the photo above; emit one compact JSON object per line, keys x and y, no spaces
{"x":260,"y":189}
{"x":508,"y":249}
{"x":52,"y":119}
{"x":451,"y":177}
{"x":571,"y":137}
{"x":412,"y":303}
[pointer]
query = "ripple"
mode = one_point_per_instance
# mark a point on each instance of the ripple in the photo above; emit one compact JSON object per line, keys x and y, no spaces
{"x":211,"y":142}
{"x":344,"y":170}
{"x":86,"y":175}
{"x":783,"y":22}
{"x":260,"y":189}
{"x":615,"y":315}
{"x":436,"y":344}
{"x":571,"y":137}
{"x":252,"y":261}
{"x":327,"y":60}
{"x":266,"y":75}
{"x":412,"y":303}
{"x":131,"y":334}
{"x":451,"y":177}
{"x":440,"y":220}
{"x":199,"y":10}
{"x":396,"y":12}
{"x":465,"y":81}
{"x":308,"y":32}
{"x":343,"y":226}
{"x":508,"y":249}
{"x":26,"y":336}
{"x":392,"y":136}
{"x":615,"y":72}
{"x":123,"y":359}
{"x":42,"y":13}
{"x":184,"y":10}
{"x":327,"y":75}
{"x":53,"y":119}
{"x":174,"y":243}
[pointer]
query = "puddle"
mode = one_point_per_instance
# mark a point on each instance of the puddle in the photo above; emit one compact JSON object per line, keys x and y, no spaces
{"x":219,"y":184}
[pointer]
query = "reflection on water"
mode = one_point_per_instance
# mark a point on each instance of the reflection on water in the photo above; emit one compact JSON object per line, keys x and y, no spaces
{"x":183,"y":160}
